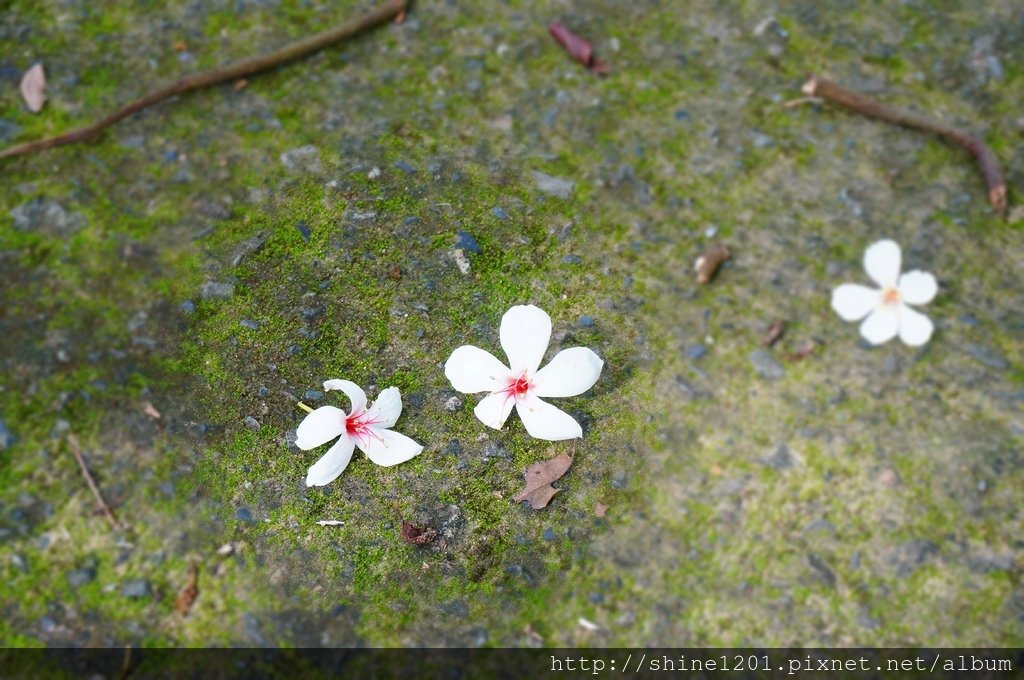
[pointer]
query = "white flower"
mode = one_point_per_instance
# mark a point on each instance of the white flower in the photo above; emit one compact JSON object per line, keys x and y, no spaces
{"x":365,"y":427}
{"x":525,"y":331}
{"x":887,"y":312}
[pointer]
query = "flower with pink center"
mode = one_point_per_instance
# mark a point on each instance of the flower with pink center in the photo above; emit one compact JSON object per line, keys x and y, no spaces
{"x":367,"y":427}
{"x":525,"y":333}
{"x":887,"y":313}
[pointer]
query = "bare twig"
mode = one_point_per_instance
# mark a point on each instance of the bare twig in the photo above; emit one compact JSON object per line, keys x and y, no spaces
{"x":77,"y":450}
{"x":231,"y":72}
{"x":709,"y":262}
{"x":987,"y":161}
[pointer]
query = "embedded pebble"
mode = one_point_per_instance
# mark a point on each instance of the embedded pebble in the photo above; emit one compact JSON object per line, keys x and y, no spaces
{"x":765,"y":365}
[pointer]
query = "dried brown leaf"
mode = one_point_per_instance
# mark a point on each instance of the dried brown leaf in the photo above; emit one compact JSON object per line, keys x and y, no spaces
{"x":33,"y":88}
{"x":600,"y":509}
{"x":539,"y":476}
{"x":417,"y":535}
{"x":395,"y":272}
{"x":579,"y":48}
{"x":802,"y":353}
{"x":773,"y":333}
{"x":187,"y":596}
{"x":150,"y":410}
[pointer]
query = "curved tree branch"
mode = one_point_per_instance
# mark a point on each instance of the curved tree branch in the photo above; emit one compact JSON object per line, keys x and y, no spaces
{"x":297,"y":50}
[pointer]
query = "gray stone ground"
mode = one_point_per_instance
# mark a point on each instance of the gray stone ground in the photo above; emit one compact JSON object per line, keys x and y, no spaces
{"x":221,"y":255}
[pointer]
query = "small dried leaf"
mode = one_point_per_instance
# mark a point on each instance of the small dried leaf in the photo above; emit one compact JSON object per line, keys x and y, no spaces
{"x":600,"y":509}
{"x":150,"y":411}
{"x":395,"y":272}
{"x":708,"y":263}
{"x":417,"y":535}
{"x":773,"y":333}
{"x":33,"y":88}
{"x":579,"y":48}
{"x":187,"y":596}
{"x":240,"y":84}
{"x":538,"y":491}
{"x":803,"y":352}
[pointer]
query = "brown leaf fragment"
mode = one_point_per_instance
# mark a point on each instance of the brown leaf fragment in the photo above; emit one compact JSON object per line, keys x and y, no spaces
{"x":240,"y":84}
{"x":33,"y":88}
{"x":709,"y":262}
{"x":187,"y":596}
{"x":417,"y":535}
{"x":600,"y":509}
{"x":773,"y":333}
{"x":395,"y":272}
{"x":805,"y":351}
{"x":579,"y":48}
{"x":538,"y":491}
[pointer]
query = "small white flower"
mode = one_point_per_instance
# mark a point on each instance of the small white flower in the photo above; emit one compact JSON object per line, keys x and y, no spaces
{"x":525,"y":332}
{"x":887,"y":312}
{"x":365,"y":427}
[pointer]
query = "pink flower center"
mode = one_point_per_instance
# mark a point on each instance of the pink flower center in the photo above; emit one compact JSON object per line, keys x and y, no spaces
{"x":357,"y":425}
{"x":890,"y":296}
{"x":517,"y":387}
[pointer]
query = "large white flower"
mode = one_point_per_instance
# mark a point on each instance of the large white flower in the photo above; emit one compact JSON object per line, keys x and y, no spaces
{"x":886,"y":312}
{"x":365,"y":427}
{"x":525,"y":332}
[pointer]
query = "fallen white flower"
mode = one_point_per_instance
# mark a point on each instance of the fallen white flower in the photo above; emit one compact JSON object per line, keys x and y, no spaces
{"x":586,"y":624}
{"x":365,"y":427}
{"x":330,"y":522}
{"x":525,"y":332}
{"x":886,"y":311}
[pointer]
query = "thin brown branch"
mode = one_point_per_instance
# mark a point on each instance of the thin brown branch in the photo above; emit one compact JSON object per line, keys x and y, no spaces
{"x":991,"y":170}
{"x":77,"y":450}
{"x":224,"y":74}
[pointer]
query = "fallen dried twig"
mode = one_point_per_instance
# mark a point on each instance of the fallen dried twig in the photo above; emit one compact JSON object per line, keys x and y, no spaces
{"x":709,"y":262}
{"x":232,"y":72}
{"x":77,"y":450}
{"x":187,"y":596}
{"x":991,"y":170}
{"x":774,"y":331}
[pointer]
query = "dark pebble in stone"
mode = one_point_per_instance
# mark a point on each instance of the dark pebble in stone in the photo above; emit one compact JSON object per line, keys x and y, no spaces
{"x":8,"y":130}
{"x":988,"y":356}
{"x":496,"y":450}
{"x":420,"y":333}
{"x":292,"y":350}
{"x":263,"y":392}
{"x":865,"y":345}
{"x":457,"y":608}
{"x":303,"y":229}
{"x":311,"y":313}
{"x":80,"y":577}
{"x":465,"y":240}
{"x":405,"y":167}
{"x":549,"y":534}
{"x":912,"y":554}
{"x":780,"y":458}
{"x":244,"y":515}
{"x":213,"y":290}
{"x":416,"y":399}
{"x":571,"y":259}
{"x":249,"y":323}
{"x":696,"y":352}
{"x":968,"y":320}
{"x":821,"y":570}
{"x":47,"y":215}
{"x":137,"y":588}
{"x":596,"y":598}
{"x":19,"y":563}
{"x":170,"y":156}
{"x":586,"y":321}
{"x":313,"y":395}
{"x":187,"y":306}
{"x":7,"y":437}
{"x":499,"y":212}
{"x":765,"y":365}
{"x":454,"y":447}
{"x":682,"y":114}
{"x":251,"y":423}
{"x":619,"y":480}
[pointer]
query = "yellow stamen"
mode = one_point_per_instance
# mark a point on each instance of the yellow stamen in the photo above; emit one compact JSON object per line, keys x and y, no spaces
{"x":304,"y":407}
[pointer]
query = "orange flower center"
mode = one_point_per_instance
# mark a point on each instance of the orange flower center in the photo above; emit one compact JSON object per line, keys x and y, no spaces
{"x":891,"y":296}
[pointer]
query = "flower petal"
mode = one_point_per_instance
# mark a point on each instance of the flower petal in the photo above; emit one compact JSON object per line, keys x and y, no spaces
{"x":353,"y":391}
{"x":525,"y":332}
{"x":573,"y":371}
{"x":493,"y":409}
{"x":320,"y":427}
{"x":882,"y":261}
{"x":387,"y":447}
{"x":332,"y":464}
{"x":853,"y":302}
{"x":915,"y":327}
{"x":471,"y":369}
{"x":882,"y":325}
{"x":918,"y":287}
{"x":544,"y":421}
{"x":385,"y":410}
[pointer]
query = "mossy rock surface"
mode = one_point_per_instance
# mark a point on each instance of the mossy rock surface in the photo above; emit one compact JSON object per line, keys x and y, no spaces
{"x":221,"y":255}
